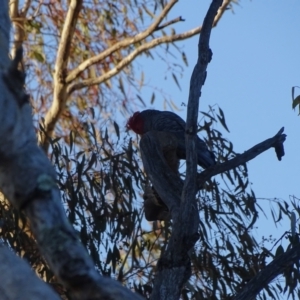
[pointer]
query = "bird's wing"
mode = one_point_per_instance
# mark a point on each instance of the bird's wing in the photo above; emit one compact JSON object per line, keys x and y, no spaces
{"x":168,"y":121}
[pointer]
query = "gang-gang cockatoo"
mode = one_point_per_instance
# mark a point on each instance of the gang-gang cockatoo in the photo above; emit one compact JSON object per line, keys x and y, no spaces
{"x":150,"y":119}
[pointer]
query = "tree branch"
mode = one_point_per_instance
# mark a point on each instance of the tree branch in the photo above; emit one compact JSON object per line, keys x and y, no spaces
{"x":156,"y":167}
{"x":130,"y":57}
{"x":25,"y":8}
{"x":196,"y":83}
{"x":174,"y":263}
{"x":121,"y":44}
{"x":68,"y":30}
{"x":166,"y":24}
{"x":271,"y":271}
{"x":18,"y":281}
{"x":174,"y":266}
{"x":28,"y":181}
{"x":63,"y":53}
{"x":276,"y":141}
{"x":18,"y":22}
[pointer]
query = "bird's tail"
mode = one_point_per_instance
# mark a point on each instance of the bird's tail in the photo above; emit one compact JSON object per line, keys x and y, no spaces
{"x":206,"y":158}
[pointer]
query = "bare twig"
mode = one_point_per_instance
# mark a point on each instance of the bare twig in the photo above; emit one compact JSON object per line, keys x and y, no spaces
{"x":25,"y":8}
{"x":166,"y":24}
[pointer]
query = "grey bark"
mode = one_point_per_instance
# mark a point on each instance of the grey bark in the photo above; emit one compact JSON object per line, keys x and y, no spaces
{"x":27,"y":180}
{"x":18,"y":281}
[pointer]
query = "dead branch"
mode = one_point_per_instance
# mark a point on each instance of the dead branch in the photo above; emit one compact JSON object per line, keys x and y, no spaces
{"x":174,"y":266}
{"x":276,"y":142}
{"x":168,"y":185}
{"x":168,"y":23}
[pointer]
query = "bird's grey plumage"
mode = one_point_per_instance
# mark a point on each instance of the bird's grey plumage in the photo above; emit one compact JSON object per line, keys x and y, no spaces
{"x":170,"y":122}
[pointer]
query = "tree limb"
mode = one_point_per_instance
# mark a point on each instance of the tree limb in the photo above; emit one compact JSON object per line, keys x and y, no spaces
{"x":63,"y":86}
{"x":121,"y":44}
{"x":130,"y":57}
{"x":156,"y":167}
{"x":174,"y":266}
{"x":18,"y":281}
{"x":18,"y":21}
{"x":240,"y":159}
{"x":28,"y":181}
{"x":126,"y":60}
{"x":196,"y":83}
{"x":59,"y":93}
{"x":271,"y":271}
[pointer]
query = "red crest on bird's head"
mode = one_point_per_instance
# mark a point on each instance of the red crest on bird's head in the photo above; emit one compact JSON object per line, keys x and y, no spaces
{"x":135,"y":123}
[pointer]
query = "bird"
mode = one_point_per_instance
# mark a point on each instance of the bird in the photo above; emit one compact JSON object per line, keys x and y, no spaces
{"x":167,"y":121}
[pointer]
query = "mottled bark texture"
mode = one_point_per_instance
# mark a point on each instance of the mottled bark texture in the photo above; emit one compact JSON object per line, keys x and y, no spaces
{"x":27,"y":180}
{"x":18,"y":281}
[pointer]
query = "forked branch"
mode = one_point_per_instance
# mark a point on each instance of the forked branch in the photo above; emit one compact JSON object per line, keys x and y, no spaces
{"x":141,"y":49}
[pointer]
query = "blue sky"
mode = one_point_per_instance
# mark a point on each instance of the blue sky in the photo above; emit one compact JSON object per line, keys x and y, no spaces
{"x":256,"y":61}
